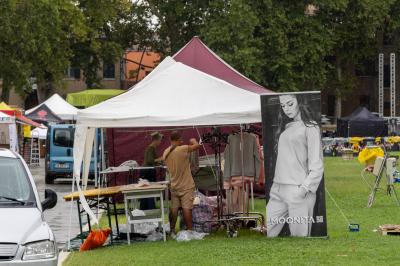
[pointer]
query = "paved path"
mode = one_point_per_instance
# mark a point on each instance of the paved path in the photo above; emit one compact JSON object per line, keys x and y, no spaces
{"x":59,"y":217}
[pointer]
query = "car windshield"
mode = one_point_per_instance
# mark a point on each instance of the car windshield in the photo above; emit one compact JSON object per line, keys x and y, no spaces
{"x":15,"y":187}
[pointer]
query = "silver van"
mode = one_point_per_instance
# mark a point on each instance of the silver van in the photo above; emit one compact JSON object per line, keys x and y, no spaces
{"x":25,"y":238}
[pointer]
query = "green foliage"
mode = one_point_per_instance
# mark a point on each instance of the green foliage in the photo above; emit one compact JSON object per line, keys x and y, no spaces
{"x":35,"y":41}
{"x":104,"y":20}
{"x":278,"y":43}
{"x":172,"y":23}
{"x":230,"y":30}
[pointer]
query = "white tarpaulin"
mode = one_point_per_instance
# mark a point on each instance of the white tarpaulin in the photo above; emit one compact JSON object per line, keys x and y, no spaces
{"x":6,"y":119}
{"x":58,"y":106}
{"x":8,"y":131}
{"x":39,"y":133}
{"x":176,"y":95}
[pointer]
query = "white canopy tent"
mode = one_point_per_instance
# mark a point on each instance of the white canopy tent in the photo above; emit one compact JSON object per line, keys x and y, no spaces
{"x":39,"y":133}
{"x":58,"y":106}
{"x":176,"y":95}
{"x":8,"y":132}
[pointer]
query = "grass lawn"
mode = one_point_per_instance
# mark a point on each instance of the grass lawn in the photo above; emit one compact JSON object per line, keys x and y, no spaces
{"x":342,"y":180}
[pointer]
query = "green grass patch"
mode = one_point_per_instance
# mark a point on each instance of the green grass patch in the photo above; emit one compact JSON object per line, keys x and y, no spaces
{"x":342,"y":180}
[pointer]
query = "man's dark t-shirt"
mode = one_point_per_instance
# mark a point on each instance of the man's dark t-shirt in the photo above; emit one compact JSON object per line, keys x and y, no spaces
{"x":150,"y":155}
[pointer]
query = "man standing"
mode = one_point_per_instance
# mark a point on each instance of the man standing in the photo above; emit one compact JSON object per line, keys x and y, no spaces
{"x":176,"y":158}
{"x":151,"y":160}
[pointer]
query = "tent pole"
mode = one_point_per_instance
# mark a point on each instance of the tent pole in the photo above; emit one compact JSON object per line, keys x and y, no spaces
{"x":242,"y":167}
{"x":103,"y":159}
{"x":96,"y":147}
{"x":70,"y":213}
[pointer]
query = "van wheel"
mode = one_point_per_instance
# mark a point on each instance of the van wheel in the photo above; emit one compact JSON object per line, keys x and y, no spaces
{"x":49,"y":179}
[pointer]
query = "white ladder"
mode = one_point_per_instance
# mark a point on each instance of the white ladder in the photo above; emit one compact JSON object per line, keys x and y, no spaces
{"x":35,"y":151}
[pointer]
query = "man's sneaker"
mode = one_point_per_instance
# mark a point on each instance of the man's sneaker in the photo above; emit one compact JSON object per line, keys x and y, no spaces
{"x":172,"y":235}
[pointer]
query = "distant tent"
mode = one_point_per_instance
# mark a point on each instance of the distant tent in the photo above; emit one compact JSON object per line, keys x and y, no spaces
{"x":361,"y":123}
{"x":91,"y":97}
{"x":59,"y":107}
{"x":43,"y":114}
{"x":199,"y":56}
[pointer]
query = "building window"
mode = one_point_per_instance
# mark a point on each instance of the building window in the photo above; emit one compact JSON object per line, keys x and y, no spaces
{"x":366,"y":68}
{"x":388,"y":38}
{"x":365,"y":101}
{"x":73,"y":73}
{"x":386,"y":108}
{"x":331,"y":105}
{"x":109,"y":71}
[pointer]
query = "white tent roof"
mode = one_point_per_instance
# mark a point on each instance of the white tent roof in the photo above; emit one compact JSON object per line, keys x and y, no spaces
{"x":176,"y":96}
{"x":6,"y":119}
{"x":58,"y":106}
{"x":39,"y":133}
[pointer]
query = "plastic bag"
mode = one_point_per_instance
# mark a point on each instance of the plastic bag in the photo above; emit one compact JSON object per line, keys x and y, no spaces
{"x":95,"y":239}
{"x":187,"y":235}
{"x":155,"y":236}
{"x":145,"y":228}
{"x":137,"y":212}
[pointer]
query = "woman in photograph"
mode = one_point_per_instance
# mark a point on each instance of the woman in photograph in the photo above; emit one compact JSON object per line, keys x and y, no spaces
{"x":298,"y":170}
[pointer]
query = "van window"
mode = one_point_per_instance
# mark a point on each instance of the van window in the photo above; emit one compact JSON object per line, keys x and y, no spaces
{"x":14,"y":182}
{"x":64,"y":137}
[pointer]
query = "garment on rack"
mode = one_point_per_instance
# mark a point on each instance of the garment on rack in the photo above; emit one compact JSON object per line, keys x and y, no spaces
{"x":233,"y":156}
{"x":261,"y":178}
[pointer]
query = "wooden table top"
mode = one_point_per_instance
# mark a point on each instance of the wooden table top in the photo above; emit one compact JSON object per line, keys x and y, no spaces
{"x":113,"y":191}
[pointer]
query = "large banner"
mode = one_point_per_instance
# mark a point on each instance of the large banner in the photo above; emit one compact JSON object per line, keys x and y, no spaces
{"x":294,"y":164}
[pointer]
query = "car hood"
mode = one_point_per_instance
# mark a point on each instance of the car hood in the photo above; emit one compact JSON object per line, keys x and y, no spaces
{"x":22,"y":225}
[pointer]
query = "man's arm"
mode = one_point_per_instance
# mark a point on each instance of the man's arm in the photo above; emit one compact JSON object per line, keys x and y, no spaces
{"x":194,"y":145}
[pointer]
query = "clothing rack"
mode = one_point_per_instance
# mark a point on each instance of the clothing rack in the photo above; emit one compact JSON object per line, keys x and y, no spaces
{"x":217,"y":139}
{"x":250,"y":129}
{"x":231,"y":220}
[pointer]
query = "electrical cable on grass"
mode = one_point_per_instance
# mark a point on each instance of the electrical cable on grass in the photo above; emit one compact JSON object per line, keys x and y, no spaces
{"x":337,"y":205}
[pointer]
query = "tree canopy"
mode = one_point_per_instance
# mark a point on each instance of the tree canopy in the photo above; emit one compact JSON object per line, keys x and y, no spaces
{"x":284,"y":45}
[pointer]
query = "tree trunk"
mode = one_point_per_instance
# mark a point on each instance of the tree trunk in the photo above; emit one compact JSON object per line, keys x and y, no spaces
{"x":41,"y":92}
{"x":338,"y":101}
{"x":5,"y":91}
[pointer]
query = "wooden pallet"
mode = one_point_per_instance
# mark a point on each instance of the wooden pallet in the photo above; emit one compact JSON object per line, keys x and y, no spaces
{"x":389,"y":229}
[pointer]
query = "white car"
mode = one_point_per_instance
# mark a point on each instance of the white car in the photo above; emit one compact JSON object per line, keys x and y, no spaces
{"x":25,"y":238}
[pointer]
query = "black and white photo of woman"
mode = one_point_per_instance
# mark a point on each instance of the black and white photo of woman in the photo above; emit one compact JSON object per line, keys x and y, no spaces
{"x":298,"y":169}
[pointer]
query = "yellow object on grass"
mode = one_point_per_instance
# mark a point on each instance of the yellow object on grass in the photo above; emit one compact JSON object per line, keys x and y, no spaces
{"x":368,"y":155}
{"x":355,"y":140}
{"x":394,"y":139}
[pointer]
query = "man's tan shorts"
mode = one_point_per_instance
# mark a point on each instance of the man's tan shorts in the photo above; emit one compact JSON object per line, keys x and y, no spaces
{"x":182,"y":199}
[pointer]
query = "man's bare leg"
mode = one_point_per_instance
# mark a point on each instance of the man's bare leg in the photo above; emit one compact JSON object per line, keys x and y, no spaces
{"x":187,"y":216}
{"x":173,"y":216}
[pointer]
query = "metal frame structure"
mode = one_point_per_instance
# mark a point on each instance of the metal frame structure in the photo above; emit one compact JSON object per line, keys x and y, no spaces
{"x":393,"y":85}
{"x":381,"y":92}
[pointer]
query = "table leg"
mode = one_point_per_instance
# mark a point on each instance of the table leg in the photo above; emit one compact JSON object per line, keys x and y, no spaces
{"x":162,"y":215}
{"x":88,"y":220}
{"x":252,"y":196}
{"x":116,"y":217}
{"x":128,"y":229}
{"x":80,"y":220}
{"x":109,"y":221}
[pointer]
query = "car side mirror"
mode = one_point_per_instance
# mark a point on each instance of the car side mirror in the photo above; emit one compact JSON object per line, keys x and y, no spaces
{"x":50,"y":199}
